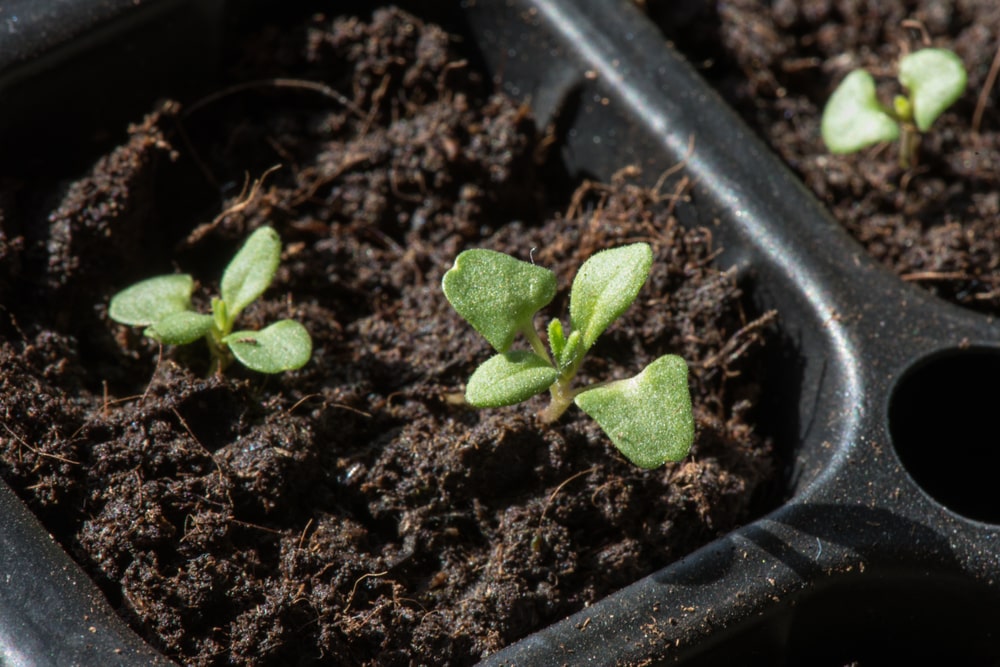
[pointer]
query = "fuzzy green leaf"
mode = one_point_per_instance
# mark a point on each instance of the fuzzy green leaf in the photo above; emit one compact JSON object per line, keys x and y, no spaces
{"x":222,"y":321}
{"x":853,"y":117}
{"x":571,"y":351}
{"x":251,"y":271}
{"x":283,"y":346}
{"x":151,"y":300}
{"x":557,"y":341}
{"x":497,"y":294}
{"x":648,"y":417}
{"x":605,"y":286}
{"x":935,"y":79}
{"x":180,"y":328}
{"x":509,"y":378}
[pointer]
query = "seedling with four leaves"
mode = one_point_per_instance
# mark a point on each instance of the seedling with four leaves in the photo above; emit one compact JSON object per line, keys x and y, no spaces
{"x":163,"y":305}
{"x":854,"y":118}
{"x":648,"y":417}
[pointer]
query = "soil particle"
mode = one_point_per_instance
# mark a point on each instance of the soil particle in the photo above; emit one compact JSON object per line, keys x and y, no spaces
{"x":103,"y":215}
{"x":355,"y":512}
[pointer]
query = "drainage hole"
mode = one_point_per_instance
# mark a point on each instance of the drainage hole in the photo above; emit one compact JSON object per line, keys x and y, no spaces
{"x":944,"y":418}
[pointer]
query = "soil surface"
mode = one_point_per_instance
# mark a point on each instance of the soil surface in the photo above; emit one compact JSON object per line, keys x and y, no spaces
{"x":777,"y":63}
{"x":355,"y":511}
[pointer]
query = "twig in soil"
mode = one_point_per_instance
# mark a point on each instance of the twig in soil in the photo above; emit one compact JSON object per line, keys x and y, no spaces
{"x":342,"y":406}
{"x":115,"y":401}
{"x":598,"y":490}
{"x":218,"y":468}
{"x":377,"y":96}
{"x":13,"y":322}
{"x":394,"y":186}
{"x":282,"y":152}
{"x":248,"y":195}
{"x":984,"y":94}
{"x":559,"y":488}
{"x":247,"y":524}
{"x":674,"y":169}
{"x":104,"y":398}
{"x":310,"y":191}
{"x":21,"y":441}
{"x":795,"y":65}
{"x":739,"y":341}
{"x":300,"y":402}
{"x":445,"y":71}
{"x":935,"y":275}
{"x":188,"y":428}
{"x":536,"y":541}
{"x":910,"y":174}
{"x":205,"y":170}
{"x":305,"y":531}
{"x":680,"y":189}
{"x":106,"y":403}
{"x":710,"y":257}
{"x":914,"y":24}
{"x":295,"y":84}
{"x":576,"y":202}
{"x":354,"y":589}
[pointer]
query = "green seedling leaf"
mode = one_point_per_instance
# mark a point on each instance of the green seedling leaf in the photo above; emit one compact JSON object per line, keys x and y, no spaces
{"x":902,"y":107}
{"x":163,"y":305}
{"x":222,"y":321}
{"x":151,"y":300}
{"x":648,"y":417}
{"x":497,"y":294}
{"x":283,"y":346}
{"x":853,"y":117}
{"x":557,"y":341}
{"x":605,"y":286}
{"x":509,"y":378}
{"x":571,"y":351}
{"x":180,"y":328}
{"x":251,"y":271}
{"x":935,"y":79}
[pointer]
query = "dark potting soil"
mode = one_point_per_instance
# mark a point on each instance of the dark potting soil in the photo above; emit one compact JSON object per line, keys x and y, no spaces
{"x":355,"y":511}
{"x":777,"y":63}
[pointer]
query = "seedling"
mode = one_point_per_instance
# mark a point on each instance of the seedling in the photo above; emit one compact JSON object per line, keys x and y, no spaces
{"x":854,"y":118}
{"x":648,"y":417}
{"x":163,"y":305}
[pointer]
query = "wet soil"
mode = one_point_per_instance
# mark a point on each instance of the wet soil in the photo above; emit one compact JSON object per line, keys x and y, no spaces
{"x":777,"y":62}
{"x":354,"y":511}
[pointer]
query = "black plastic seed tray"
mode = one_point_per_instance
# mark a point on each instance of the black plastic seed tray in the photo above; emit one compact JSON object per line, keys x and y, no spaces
{"x":886,"y":549}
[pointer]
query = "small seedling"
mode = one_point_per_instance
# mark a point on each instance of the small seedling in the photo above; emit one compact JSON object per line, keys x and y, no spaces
{"x":163,"y":305}
{"x":648,"y":417}
{"x":854,"y":118}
